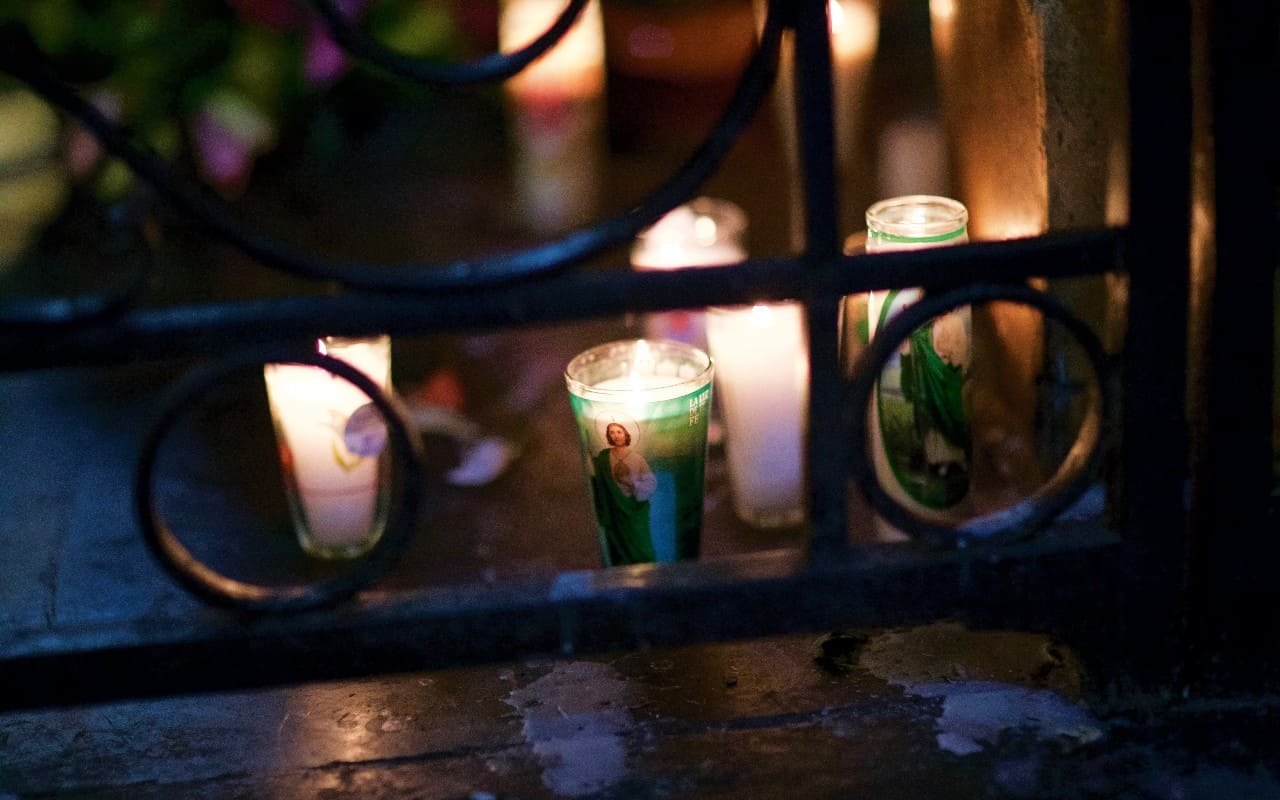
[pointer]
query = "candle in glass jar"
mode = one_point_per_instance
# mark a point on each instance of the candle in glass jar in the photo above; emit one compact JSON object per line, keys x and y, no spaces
{"x":922,"y":441}
{"x":705,"y":232}
{"x":331,"y":440}
{"x":555,"y":110}
{"x":855,"y":28}
{"x":641,"y":409}
{"x":762,"y":385}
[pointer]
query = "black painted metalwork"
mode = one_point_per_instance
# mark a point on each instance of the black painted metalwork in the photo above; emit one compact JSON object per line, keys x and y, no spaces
{"x":19,"y":57}
{"x":407,"y":482}
{"x":1079,"y":468}
{"x":1096,"y":573}
{"x":487,"y":69}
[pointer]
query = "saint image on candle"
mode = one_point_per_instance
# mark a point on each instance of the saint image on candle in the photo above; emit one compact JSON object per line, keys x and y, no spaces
{"x":930,"y":454}
{"x":622,"y":484}
{"x":920,"y":417}
{"x":641,"y":410}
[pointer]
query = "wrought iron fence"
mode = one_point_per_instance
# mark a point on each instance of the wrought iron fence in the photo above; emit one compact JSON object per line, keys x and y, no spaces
{"x":1072,"y":579}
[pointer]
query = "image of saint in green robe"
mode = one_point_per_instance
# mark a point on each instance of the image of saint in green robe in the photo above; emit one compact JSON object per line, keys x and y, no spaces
{"x":623,"y":516}
{"x":936,"y":392}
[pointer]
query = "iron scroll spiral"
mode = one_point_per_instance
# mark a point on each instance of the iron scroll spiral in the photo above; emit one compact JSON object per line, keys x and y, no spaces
{"x":492,"y":67}
{"x":20,"y":58}
{"x":221,"y":590}
{"x":1079,"y":467}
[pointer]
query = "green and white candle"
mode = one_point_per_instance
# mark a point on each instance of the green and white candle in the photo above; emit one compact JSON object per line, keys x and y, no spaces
{"x":641,"y":409}
{"x":919,"y":424}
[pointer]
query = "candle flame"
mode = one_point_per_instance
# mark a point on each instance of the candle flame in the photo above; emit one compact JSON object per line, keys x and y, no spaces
{"x":321,"y":347}
{"x":854,"y":26}
{"x":642,"y":362}
{"x":942,"y":10}
{"x":835,"y":15}
{"x":705,"y":230}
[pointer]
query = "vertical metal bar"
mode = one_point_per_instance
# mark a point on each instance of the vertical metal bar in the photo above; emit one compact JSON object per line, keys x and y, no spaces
{"x":1235,"y":565}
{"x":815,"y":123}
{"x":1155,"y":447}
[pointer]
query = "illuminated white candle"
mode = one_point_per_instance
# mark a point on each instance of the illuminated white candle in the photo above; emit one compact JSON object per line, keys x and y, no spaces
{"x":331,"y":440}
{"x":854,"y":32}
{"x":855,"y":27}
{"x":705,"y":232}
{"x":555,"y":108}
{"x":762,"y":382}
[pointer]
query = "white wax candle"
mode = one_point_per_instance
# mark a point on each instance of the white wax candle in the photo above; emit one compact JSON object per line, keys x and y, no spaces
{"x":854,"y":30}
{"x":855,"y":27}
{"x":572,"y":69}
{"x":762,"y":380}
{"x":703,"y":233}
{"x":336,"y":488}
{"x":556,"y":114}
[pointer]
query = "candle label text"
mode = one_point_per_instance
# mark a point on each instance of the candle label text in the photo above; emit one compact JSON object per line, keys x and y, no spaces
{"x":697,"y":407}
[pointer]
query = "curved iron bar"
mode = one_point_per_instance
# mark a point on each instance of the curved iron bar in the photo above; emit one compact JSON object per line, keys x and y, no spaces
{"x":1079,"y":467}
{"x":502,"y":268}
{"x":492,"y":67}
{"x":124,"y":245}
{"x":218,"y":589}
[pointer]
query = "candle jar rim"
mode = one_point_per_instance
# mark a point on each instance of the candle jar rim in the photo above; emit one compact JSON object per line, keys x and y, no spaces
{"x":735,"y":307}
{"x":729,"y":217}
{"x":343,"y":341}
{"x":917,"y":218}
{"x":700,"y":363}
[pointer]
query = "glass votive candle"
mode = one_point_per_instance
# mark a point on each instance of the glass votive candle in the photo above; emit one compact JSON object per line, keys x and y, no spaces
{"x":555,"y":109}
{"x":704,"y":232}
{"x":762,"y":388}
{"x":922,"y":441}
{"x":641,"y":408}
{"x":332,"y":444}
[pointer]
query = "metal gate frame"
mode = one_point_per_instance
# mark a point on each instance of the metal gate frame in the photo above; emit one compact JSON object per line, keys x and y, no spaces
{"x":1156,"y":605}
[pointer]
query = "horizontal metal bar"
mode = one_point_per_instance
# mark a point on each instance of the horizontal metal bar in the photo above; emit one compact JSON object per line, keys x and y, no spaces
{"x":1038,"y":585}
{"x":212,"y":328}
{"x":19,"y":57}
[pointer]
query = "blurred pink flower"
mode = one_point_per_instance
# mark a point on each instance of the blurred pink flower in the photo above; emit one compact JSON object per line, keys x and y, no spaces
{"x":324,"y":60}
{"x":228,"y":134}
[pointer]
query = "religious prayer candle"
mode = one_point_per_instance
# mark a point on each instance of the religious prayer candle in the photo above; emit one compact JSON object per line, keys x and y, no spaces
{"x":555,"y":107}
{"x":762,"y":386}
{"x":641,"y":409}
{"x":332,"y":440}
{"x":919,"y":423}
{"x":854,"y":30}
{"x":705,"y":232}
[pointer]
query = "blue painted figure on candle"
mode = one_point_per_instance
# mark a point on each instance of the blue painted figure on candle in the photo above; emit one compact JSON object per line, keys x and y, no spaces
{"x":621,"y":488}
